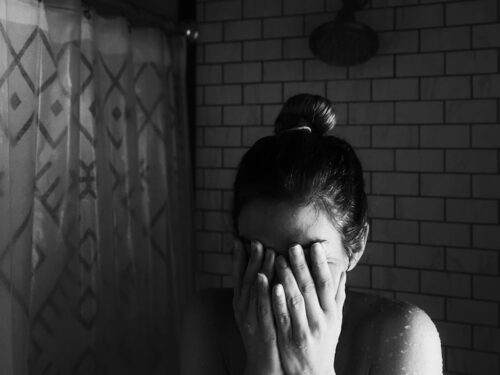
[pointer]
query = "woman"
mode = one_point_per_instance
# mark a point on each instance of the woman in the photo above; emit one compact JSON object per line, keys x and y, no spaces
{"x":300,"y":215}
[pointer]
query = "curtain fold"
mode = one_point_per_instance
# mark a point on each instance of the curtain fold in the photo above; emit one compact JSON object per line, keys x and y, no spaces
{"x":95,"y":193}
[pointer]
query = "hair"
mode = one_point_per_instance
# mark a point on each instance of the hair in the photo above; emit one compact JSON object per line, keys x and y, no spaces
{"x":303,"y":164}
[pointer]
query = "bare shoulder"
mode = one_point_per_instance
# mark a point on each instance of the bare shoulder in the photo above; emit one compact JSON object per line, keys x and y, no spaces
{"x":202,"y":337}
{"x":404,"y":340}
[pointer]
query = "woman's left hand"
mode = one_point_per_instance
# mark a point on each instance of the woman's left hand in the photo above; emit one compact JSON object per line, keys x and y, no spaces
{"x":308,"y":311}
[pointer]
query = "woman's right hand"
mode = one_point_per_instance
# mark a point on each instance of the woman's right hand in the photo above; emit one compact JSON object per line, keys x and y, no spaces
{"x":252,"y":308}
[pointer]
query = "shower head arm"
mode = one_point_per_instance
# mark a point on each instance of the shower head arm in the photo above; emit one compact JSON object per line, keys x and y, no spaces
{"x":346,"y":13}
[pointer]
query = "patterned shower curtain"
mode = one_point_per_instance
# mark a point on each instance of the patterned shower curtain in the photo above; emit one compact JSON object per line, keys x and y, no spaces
{"x":95,"y":202}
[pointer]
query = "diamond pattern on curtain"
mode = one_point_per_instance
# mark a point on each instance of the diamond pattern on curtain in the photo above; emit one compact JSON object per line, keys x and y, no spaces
{"x":94,"y":194}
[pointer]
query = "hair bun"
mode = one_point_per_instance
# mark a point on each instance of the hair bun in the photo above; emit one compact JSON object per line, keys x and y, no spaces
{"x":306,"y":110}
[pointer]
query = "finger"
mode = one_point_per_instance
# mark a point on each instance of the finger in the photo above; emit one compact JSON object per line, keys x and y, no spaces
{"x":253,"y":267}
{"x":264,"y":310}
{"x":280,"y":310}
{"x":239,"y":263}
{"x":251,"y":311}
{"x":305,"y":283}
{"x":294,"y":300}
{"x":326,"y":290}
{"x":341,"y":294}
{"x":268,"y":264}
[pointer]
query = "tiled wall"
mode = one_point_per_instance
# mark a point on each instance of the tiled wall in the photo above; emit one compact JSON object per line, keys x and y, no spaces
{"x":424,"y":117}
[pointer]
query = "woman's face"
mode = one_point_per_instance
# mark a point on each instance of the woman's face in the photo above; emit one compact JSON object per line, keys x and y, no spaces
{"x":279,"y":225}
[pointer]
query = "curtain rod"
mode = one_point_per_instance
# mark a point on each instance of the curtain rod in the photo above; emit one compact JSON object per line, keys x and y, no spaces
{"x":138,"y":16}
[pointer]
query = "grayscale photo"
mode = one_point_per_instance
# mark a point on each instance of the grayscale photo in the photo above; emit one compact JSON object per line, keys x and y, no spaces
{"x":249,"y":187}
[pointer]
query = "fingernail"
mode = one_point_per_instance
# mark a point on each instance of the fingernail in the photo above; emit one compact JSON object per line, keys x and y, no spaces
{"x":278,"y":290}
{"x":269,"y":254}
{"x":317,"y":248}
{"x":296,"y":251}
{"x":255,"y":248}
{"x":281,"y":262}
{"x":261,"y":277}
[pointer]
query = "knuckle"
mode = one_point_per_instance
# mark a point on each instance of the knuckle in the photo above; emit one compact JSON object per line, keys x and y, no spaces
{"x":317,"y":327}
{"x":249,"y":328}
{"x":269,"y":337}
{"x":300,"y":341}
{"x":300,"y":266}
{"x":263,"y":311}
{"x":307,"y":287}
{"x":325,"y":283}
{"x":296,"y":301}
{"x":283,"y":319}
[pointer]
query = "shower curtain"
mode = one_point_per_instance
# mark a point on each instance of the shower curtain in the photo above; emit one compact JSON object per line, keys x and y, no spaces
{"x":95,"y":193}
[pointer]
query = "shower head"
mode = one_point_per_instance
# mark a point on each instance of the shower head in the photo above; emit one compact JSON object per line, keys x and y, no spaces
{"x":344,"y":41}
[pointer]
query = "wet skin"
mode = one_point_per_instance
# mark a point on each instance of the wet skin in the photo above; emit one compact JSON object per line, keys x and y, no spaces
{"x":344,"y":333}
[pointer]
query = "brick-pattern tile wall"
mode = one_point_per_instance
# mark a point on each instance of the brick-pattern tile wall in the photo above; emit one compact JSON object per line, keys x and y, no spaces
{"x":423,"y":115}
